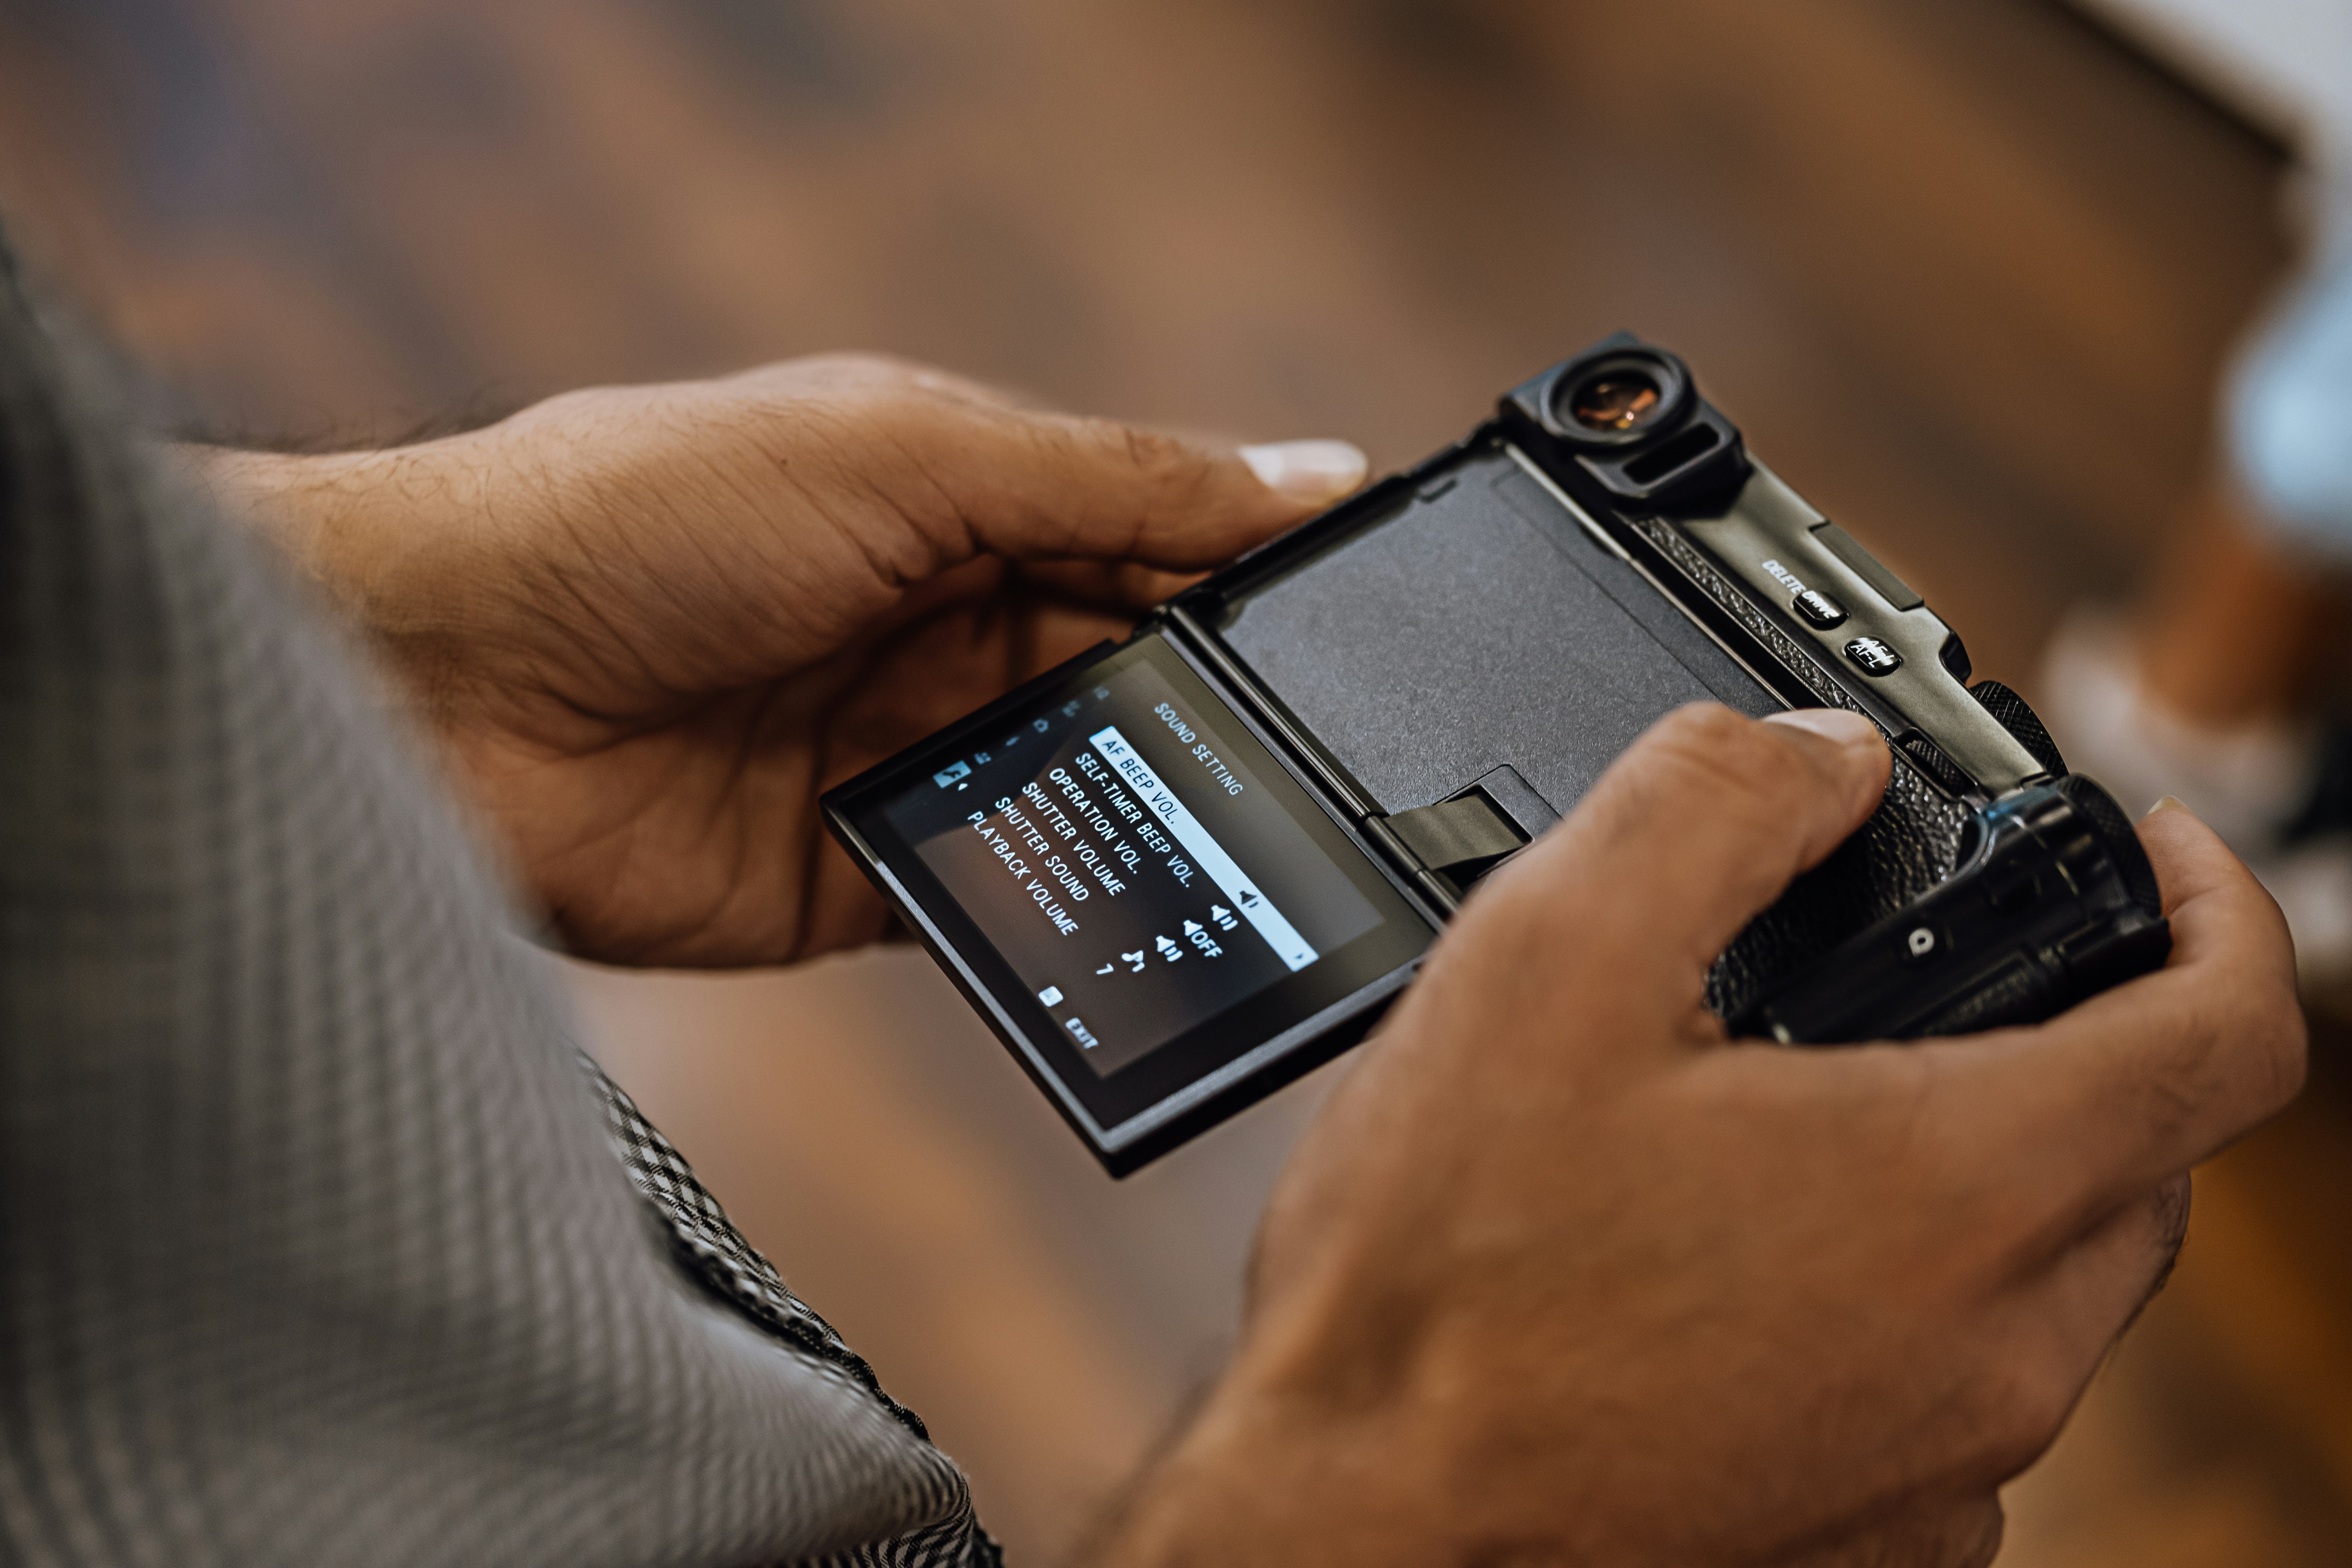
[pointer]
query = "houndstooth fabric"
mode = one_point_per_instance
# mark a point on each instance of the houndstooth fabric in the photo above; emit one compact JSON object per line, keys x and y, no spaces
{"x":715,"y":1252}
{"x":709,"y":1244}
{"x":312,"y":1247}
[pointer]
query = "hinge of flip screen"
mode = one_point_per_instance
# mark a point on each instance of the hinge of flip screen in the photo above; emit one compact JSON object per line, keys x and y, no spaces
{"x":1461,"y":837}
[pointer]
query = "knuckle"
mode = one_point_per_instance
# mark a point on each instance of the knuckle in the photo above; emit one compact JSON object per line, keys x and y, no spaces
{"x":2004,"y":1220}
{"x":1924,"y":1534}
{"x":1167,"y":478}
{"x":861,"y":366}
{"x":2283,"y":1040}
{"x":841,"y":376}
{"x":2026,"y":1399}
{"x":2245,"y":1048}
{"x":1992,"y":1219}
{"x":1159,"y":460}
{"x":1976,"y":1536}
{"x":2168,"y":1223}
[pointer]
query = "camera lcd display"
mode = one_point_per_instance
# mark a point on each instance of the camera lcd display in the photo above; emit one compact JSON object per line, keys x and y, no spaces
{"x":1136,"y":858}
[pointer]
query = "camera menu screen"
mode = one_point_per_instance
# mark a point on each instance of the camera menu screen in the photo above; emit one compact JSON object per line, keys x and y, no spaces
{"x":1136,"y":858}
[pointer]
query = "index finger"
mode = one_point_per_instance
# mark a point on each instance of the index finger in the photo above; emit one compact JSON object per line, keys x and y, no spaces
{"x":2133,"y":1086}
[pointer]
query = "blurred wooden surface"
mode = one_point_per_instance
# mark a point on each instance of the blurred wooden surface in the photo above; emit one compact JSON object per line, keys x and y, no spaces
{"x":1964,"y":271}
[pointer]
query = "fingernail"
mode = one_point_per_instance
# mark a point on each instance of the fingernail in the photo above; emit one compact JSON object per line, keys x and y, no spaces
{"x":1309,"y":472}
{"x":2168,"y":803}
{"x":1839,"y":724}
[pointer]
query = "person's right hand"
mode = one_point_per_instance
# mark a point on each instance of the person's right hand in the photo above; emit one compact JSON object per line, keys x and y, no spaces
{"x":1562,"y":1276}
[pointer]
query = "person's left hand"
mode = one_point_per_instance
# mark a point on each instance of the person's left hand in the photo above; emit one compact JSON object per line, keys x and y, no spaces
{"x":650,"y":626}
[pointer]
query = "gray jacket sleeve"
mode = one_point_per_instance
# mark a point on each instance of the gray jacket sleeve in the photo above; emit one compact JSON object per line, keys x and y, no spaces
{"x":313,"y":1246}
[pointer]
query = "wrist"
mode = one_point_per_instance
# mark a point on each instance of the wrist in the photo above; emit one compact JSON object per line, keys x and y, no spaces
{"x":1245,"y":1485}
{"x":385,"y":536}
{"x":1286,"y":1465}
{"x":309,"y":507}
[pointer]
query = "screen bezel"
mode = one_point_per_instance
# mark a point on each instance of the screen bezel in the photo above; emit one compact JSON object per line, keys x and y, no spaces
{"x":1257,"y":1034}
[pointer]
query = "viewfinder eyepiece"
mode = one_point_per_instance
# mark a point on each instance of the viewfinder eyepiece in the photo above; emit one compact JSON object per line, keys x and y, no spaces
{"x":1629,"y":414}
{"x":1620,"y":399}
{"x":1615,"y":400}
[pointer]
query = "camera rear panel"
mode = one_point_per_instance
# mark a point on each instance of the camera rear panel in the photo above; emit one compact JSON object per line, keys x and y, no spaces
{"x":1475,"y":614}
{"x":1175,"y":873}
{"x":1478,"y":625}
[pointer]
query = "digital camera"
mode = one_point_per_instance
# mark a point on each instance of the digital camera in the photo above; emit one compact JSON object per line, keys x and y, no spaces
{"x":1179,"y":871}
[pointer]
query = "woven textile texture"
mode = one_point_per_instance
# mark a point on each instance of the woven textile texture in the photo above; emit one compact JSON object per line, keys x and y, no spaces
{"x":313,"y":1245}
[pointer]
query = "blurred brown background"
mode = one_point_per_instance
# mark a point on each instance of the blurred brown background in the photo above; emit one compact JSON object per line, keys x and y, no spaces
{"x":1964,"y":270}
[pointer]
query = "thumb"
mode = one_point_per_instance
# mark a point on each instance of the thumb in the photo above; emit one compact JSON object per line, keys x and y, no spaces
{"x":1029,"y":485}
{"x":1099,"y":489}
{"x":1704,"y":821}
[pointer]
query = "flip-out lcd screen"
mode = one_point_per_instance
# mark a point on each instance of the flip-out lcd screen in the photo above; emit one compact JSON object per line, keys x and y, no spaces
{"x":1143,"y":892}
{"x":1129,"y":858}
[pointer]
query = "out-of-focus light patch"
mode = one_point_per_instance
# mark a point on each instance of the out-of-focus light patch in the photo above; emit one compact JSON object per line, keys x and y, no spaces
{"x":2284,"y":64}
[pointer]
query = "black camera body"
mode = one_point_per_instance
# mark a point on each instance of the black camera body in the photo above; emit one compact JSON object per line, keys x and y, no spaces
{"x":1181,"y":871}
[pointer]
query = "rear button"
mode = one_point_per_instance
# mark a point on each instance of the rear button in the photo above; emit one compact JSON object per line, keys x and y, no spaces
{"x":1875,"y":656}
{"x":1819,"y":608}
